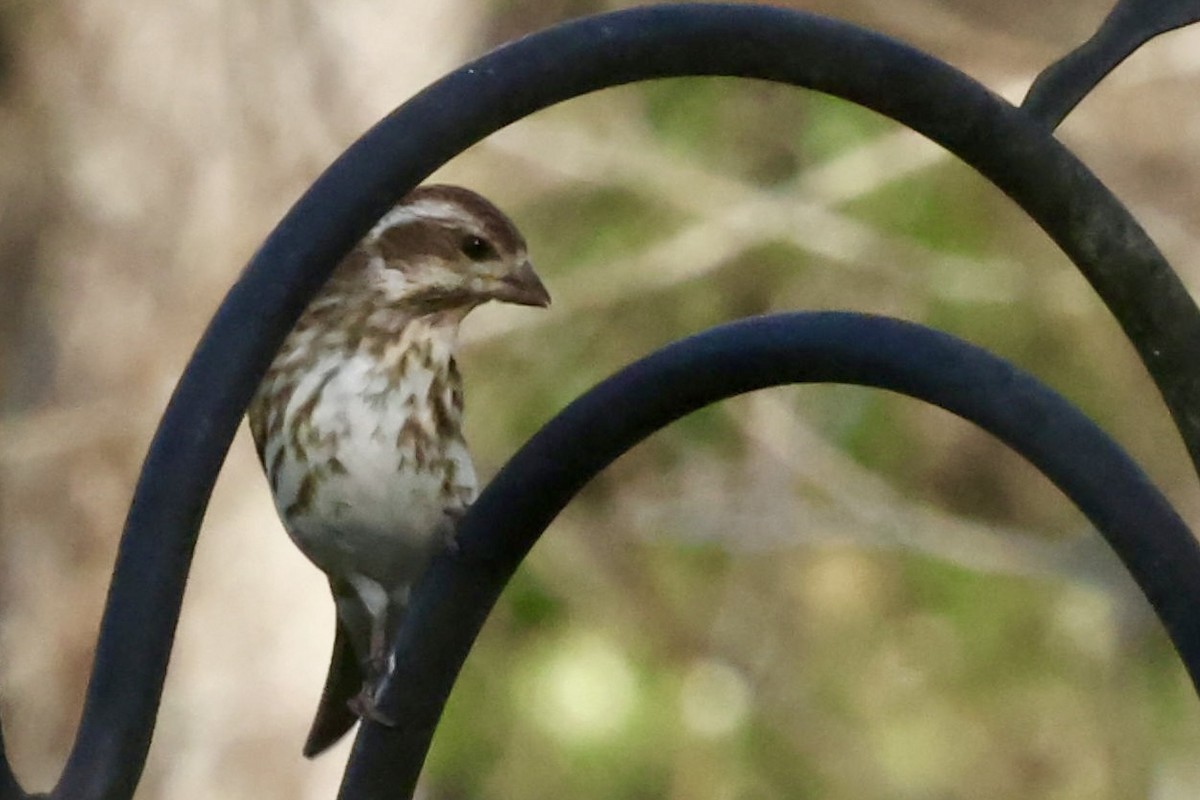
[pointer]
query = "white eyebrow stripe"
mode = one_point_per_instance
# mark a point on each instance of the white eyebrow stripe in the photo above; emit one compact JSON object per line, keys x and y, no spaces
{"x":391,"y":219}
{"x":421,"y":209}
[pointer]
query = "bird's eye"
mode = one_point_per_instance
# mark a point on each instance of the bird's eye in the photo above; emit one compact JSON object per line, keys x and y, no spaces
{"x":477,"y":249}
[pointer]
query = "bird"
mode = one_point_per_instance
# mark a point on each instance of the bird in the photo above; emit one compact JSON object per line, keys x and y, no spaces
{"x":358,"y":420}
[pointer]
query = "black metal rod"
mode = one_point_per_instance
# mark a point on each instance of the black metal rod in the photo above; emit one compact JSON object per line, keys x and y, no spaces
{"x":999,"y":140}
{"x":1130,"y":24}
{"x":458,"y":591}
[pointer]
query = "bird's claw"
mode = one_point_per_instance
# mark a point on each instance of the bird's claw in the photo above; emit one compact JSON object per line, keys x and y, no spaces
{"x":365,"y":706}
{"x":379,"y":664}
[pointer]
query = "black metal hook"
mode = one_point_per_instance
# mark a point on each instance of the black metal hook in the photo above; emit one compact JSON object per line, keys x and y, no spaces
{"x":1131,"y":23}
{"x":456,"y":594}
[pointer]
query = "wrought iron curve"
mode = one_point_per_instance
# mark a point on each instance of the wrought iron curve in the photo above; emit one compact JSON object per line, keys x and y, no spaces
{"x":1007,"y":145}
{"x":1129,"y":25}
{"x":451,"y":602}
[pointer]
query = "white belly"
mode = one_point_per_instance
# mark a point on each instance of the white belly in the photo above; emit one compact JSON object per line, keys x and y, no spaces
{"x":367,"y":483}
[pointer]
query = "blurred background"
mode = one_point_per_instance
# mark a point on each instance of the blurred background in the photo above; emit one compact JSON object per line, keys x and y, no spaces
{"x":815,"y":592}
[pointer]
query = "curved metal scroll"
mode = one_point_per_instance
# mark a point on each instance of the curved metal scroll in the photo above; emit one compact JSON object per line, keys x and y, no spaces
{"x":1004,"y":143}
{"x":1128,"y":26}
{"x":456,"y":594}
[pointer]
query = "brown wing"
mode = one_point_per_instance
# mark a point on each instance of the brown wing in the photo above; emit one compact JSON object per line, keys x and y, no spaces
{"x":256,"y":415}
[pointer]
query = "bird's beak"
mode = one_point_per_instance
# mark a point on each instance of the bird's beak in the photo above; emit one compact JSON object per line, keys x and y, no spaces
{"x":521,"y":286}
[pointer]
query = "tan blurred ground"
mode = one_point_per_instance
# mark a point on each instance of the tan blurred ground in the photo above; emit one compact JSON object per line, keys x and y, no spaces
{"x":150,"y":147}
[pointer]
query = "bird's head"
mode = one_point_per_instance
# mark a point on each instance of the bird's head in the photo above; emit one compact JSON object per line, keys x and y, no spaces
{"x":446,"y":248}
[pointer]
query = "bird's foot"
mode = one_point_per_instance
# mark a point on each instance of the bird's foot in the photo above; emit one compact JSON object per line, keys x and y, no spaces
{"x":365,"y":705}
{"x":377,"y":666}
{"x":379,"y":660}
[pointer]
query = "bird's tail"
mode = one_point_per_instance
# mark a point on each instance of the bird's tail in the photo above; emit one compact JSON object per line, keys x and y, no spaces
{"x":343,"y":683}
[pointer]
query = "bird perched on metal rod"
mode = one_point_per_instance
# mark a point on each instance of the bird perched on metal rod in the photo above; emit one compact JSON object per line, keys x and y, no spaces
{"x":358,"y":421}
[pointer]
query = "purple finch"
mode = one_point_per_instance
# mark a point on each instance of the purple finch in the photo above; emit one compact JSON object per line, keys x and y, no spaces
{"x":358,"y":421}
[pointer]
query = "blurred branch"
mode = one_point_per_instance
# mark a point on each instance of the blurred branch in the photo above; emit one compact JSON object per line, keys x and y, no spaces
{"x":803,"y":490}
{"x":731,"y":216}
{"x":886,"y":518}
